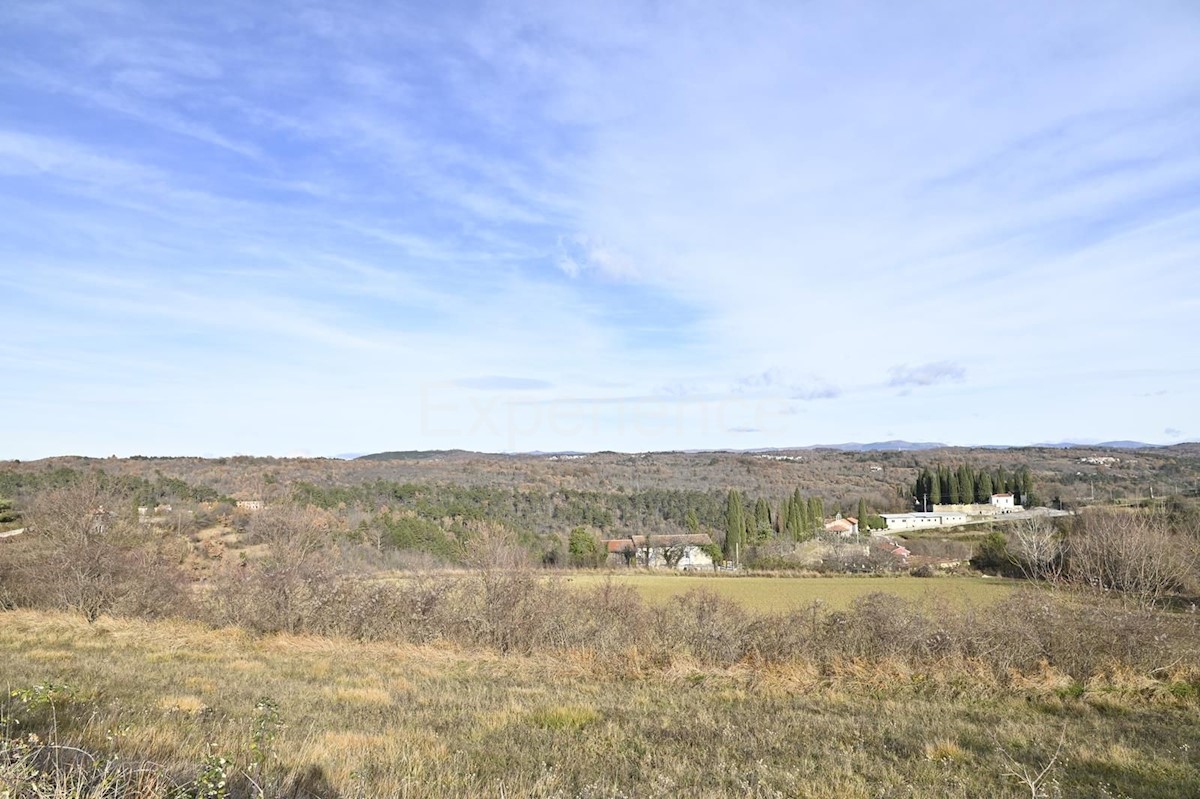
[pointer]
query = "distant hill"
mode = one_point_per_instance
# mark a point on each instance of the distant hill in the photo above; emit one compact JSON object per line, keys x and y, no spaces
{"x":413,"y":455}
{"x":1101,"y":445}
{"x":882,"y":446}
{"x":897,"y":445}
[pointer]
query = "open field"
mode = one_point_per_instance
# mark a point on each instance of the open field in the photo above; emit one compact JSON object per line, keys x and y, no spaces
{"x":777,"y":594}
{"x":435,"y":721}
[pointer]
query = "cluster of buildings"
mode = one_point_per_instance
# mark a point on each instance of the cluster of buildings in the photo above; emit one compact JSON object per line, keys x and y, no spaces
{"x":695,"y":551}
{"x":952,"y":515}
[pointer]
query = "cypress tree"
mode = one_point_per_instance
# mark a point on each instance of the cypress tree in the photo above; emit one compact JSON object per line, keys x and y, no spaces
{"x":762,"y":519}
{"x":966,"y":484}
{"x":985,"y":487}
{"x":816,"y":514}
{"x":735,"y":524}
{"x":862,"y":514}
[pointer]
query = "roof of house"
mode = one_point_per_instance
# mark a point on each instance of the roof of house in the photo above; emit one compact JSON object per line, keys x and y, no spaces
{"x":656,"y":541}
{"x":840,"y":526}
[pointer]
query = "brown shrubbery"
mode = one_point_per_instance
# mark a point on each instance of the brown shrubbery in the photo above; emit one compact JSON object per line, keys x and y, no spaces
{"x":521,"y":611}
{"x":85,"y":551}
{"x":1136,"y":554}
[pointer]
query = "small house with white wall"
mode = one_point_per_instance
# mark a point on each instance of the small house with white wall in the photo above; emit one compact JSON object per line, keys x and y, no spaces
{"x":844,"y":527}
{"x":684,"y":552}
{"x":1004,"y":503}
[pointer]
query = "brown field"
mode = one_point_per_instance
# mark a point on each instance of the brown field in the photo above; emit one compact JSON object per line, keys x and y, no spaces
{"x":365,"y":720}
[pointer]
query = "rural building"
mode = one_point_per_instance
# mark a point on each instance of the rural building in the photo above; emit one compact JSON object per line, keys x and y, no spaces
{"x":999,"y":504}
{"x":250,"y":504}
{"x":661,"y":551}
{"x":843,"y":527}
{"x":893,"y":549}
{"x":1003,"y":503}
{"x":921,"y":521}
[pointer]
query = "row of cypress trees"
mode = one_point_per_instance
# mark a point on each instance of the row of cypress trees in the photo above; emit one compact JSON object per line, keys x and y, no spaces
{"x":964,"y":484}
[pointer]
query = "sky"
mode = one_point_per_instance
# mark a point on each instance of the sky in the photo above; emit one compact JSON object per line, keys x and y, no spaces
{"x":302,"y":228}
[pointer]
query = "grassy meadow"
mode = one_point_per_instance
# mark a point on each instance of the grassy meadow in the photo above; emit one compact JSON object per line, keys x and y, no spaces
{"x":352,"y":719}
{"x":780,"y":594}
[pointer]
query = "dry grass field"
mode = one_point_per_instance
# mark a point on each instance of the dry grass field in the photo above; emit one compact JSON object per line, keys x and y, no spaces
{"x":779,"y":594}
{"x":364,"y":720}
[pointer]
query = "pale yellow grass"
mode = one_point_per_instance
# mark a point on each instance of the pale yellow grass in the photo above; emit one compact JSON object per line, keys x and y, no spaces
{"x":778,"y":594}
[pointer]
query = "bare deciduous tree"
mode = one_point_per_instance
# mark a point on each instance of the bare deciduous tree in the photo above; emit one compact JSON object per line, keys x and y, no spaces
{"x":1037,"y":548}
{"x":88,"y":553}
{"x":1131,"y":552}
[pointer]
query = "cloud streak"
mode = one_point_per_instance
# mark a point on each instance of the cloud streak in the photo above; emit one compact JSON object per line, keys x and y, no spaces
{"x":927,"y":374}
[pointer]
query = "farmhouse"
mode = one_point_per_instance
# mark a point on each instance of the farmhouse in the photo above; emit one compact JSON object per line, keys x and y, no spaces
{"x":844,"y":527}
{"x":685,"y":552}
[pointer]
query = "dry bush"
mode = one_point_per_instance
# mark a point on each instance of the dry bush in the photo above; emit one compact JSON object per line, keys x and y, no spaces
{"x":293,"y":588}
{"x":1135,"y":554}
{"x":1038,"y":549}
{"x":703,"y":625}
{"x":86,"y":552}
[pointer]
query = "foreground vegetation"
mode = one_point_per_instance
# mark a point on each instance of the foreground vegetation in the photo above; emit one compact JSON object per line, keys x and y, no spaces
{"x":264,"y":656}
{"x":316,"y":716}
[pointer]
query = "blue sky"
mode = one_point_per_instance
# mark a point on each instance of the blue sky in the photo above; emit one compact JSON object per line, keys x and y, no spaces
{"x":292,"y":228}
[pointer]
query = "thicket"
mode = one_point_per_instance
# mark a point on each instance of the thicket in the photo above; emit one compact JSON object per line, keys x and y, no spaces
{"x":1148,"y":556}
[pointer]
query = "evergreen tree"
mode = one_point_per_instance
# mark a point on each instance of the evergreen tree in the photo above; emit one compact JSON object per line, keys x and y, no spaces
{"x":966,"y":485}
{"x":934,"y":495}
{"x":762,"y":520}
{"x":955,"y":494}
{"x":862,"y":514}
{"x":816,"y":514}
{"x":735,"y":525}
{"x":985,"y":488}
{"x":795,"y":519}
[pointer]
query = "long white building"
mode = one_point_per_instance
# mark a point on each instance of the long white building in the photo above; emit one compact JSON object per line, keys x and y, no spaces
{"x":919,"y":521}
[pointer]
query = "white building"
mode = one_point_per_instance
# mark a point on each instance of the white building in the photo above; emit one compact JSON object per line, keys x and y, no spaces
{"x":1004,"y":503}
{"x":845,"y":527}
{"x":923,"y":521}
{"x":659,"y":551}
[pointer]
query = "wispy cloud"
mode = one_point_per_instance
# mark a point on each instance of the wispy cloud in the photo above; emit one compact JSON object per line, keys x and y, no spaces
{"x":502,"y":383}
{"x":928,"y":374}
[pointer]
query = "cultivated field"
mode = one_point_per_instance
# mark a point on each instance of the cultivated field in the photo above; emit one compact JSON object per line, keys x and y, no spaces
{"x":777,"y":594}
{"x":358,"y":720}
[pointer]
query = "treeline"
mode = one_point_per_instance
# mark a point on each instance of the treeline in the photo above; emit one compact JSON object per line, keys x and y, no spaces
{"x":964,"y":485}
{"x":438,"y":518}
{"x":656,"y":511}
{"x":141,"y":490}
